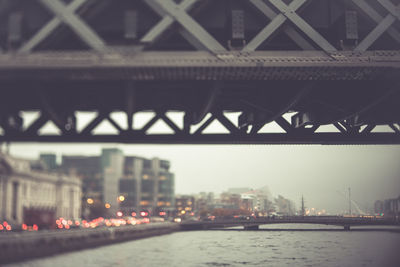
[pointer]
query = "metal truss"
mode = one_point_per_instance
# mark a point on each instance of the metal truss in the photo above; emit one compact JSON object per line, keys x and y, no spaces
{"x":345,"y":78}
{"x":287,"y":13}
{"x":297,"y":115}
{"x":65,"y":14}
{"x":289,"y":134}
{"x":183,"y":18}
{"x":384,"y":24}
{"x":192,"y":30}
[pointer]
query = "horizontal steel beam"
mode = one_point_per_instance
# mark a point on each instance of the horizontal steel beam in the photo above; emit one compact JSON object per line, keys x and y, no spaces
{"x":260,"y":65}
{"x":262,"y":138}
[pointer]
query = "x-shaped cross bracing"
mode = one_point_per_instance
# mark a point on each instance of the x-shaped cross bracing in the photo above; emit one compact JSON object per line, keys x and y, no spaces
{"x":288,"y":12}
{"x":192,"y":30}
{"x":288,"y":29}
{"x":155,"y":32}
{"x":65,"y":14}
{"x":384,"y":24}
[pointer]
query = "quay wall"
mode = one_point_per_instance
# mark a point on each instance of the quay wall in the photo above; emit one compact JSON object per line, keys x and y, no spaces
{"x":21,"y":246}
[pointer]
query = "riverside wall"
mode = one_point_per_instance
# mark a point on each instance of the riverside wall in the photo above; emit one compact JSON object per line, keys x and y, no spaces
{"x":21,"y":246}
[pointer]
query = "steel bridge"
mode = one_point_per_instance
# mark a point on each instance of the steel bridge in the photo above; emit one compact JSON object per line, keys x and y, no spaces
{"x":319,"y":71}
{"x":254,"y":223}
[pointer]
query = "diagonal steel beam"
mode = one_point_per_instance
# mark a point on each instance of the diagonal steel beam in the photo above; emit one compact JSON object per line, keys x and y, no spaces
{"x":37,"y":124}
{"x":376,"y":17}
{"x":272,"y":27}
{"x":204,"y":125}
{"x":368,"y":129}
{"x":67,"y":16}
{"x":94,"y":123}
{"x":154,"y":33}
{"x":381,"y":28}
{"x":288,"y":29}
{"x":167,"y":21}
{"x":226,"y":123}
{"x":170,"y":123}
{"x":290,"y":13}
{"x":394,"y":128}
{"x":340,"y":127}
{"x":195,"y":30}
{"x":284,"y":124}
{"x":391,"y":8}
{"x":114,"y":123}
{"x":46,"y":30}
{"x":150,"y":123}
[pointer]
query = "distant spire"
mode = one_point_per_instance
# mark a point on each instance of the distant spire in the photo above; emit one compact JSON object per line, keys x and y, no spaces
{"x":303,"y":210}
{"x":349,"y":201}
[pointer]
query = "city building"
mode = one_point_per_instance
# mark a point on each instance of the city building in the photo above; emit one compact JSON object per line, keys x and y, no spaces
{"x":32,"y":195}
{"x":285,"y":206}
{"x":230,"y":201}
{"x":258,"y":200}
{"x":185,"y":205}
{"x":378,"y":207}
{"x":49,"y":160}
{"x":204,"y":203}
{"x":147,"y":184}
{"x":113,"y":182}
{"x":388,"y":207}
{"x":112,"y":163}
{"x":392,"y":207}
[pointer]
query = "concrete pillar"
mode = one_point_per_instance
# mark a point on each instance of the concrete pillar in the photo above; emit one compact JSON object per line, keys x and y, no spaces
{"x":4,"y":198}
{"x":59,"y":197}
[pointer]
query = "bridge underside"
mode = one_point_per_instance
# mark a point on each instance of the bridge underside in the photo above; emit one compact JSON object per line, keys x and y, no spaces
{"x":217,"y":72}
{"x":347,"y":96}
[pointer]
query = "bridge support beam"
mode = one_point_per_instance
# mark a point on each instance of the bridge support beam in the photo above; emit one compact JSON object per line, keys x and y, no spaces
{"x":251,"y":227}
{"x":346,"y":227}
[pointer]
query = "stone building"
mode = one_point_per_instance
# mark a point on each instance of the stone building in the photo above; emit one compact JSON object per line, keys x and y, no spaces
{"x":32,"y":195}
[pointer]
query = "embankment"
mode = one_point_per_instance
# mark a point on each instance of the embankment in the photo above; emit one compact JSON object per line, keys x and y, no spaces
{"x":26,"y":245}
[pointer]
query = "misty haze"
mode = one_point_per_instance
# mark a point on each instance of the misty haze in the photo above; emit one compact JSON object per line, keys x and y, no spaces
{"x":322,"y":174}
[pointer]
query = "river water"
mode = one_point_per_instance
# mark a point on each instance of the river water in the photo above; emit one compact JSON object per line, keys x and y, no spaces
{"x":330,"y":247}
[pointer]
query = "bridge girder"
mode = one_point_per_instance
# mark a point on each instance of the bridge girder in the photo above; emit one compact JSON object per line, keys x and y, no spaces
{"x":110,"y":56}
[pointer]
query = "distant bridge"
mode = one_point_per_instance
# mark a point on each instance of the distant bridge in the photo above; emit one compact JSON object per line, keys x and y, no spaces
{"x":254,"y":223}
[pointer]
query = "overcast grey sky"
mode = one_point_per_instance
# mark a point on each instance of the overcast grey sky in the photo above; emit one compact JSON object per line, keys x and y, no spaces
{"x":321,"y":173}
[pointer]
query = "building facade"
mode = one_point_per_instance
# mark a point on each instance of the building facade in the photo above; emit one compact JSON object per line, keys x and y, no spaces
{"x":123,"y":183}
{"x":112,"y":161}
{"x":147,"y":184}
{"x":33,"y":196}
{"x":388,"y":207}
{"x":185,"y":206}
